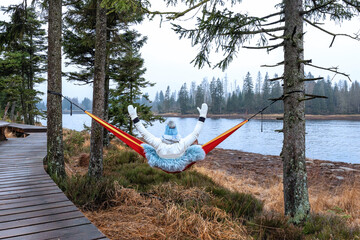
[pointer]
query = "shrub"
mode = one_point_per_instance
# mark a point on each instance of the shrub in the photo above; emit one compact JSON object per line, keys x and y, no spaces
{"x":329,"y":227}
{"x":89,"y":193}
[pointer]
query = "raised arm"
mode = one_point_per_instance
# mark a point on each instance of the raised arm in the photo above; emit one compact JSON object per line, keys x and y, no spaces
{"x":149,"y":138}
{"x":190,"y":139}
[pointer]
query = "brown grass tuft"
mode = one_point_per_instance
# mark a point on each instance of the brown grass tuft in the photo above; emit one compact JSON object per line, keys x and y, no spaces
{"x":137,"y":216}
{"x":344,"y":201}
{"x":84,"y":160}
{"x":271,"y":192}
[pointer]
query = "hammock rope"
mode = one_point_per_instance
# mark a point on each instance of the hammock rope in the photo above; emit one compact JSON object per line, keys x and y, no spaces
{"x":136,"y":143}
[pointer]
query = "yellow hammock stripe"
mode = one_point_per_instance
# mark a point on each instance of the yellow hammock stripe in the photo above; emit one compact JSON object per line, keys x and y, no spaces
{"x":228,"y":131}
{"x":112,"y":129}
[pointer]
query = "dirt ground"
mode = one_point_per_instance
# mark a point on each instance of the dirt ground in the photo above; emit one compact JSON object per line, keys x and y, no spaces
{"x":264,"y":168}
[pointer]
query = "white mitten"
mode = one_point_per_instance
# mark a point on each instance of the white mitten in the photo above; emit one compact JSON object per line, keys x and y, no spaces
{"x":203,"y":110}
{"x":132,"y":112}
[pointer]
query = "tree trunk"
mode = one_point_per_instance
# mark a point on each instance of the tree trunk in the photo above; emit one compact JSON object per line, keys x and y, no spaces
{"x":296,"y":197}
{"x":106,"y":110}
{"x":55,"y":155}
{"x":12,"y":113}
{"x":6,"y":110}
{"x":97,"y":133}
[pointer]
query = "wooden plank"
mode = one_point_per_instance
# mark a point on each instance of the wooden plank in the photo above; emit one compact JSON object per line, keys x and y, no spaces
{"x":39,"y":185}
{"x":29,"y":194}
{"x":14,"y":232}
{"x":34,"y":202}
{"x":22,"y":174}
{"x":44,"y":212}
{"x":24,"y":181}
{"x":44,"y":179}
{"x":43,"y":198}
{"x":87,"y":231}
{"x":35,"y":208}
{"x":27,"y":190}
{"x":41,"y":220}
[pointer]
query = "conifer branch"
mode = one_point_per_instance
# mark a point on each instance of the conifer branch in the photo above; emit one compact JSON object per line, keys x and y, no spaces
{"x":276,"y":65}
{"x":275,"y":79}
{"x":273,"y":23}
{"x":311,"y":79}
{"x":269,"y":48}
{"x":175,"y":14}
{"x":356,"y":37}
{"x":317,"y":7}
{"x":331,"y":69}
{"x":353,"y":5}
{"x":262,"y":30}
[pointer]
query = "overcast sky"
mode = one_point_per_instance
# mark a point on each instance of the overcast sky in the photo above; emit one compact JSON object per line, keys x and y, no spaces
{"x":167,"y":58}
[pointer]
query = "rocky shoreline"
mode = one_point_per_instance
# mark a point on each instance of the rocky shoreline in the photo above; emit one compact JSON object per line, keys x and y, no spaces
{"x":264,"y":168}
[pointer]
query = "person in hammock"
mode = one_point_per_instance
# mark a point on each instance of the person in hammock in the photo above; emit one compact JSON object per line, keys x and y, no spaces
{"x":171,"y":145}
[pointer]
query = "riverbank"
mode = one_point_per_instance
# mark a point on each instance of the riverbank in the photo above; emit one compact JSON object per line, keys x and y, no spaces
{"x":354,"y":117}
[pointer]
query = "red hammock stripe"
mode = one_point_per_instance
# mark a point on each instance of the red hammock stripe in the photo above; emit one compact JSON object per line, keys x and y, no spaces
{"x":216,"y":141}
{"x":131,"y":141}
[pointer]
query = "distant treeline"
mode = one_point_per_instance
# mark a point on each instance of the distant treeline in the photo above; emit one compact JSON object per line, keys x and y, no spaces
{"x":342,"y":97}
{"x":86,"y":104}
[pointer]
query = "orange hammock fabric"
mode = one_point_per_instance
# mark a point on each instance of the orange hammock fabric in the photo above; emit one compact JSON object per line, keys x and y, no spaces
{"x":135,"y":143}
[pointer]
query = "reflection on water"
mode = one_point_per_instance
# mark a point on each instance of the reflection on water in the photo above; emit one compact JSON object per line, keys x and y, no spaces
{"x":333,"y":140}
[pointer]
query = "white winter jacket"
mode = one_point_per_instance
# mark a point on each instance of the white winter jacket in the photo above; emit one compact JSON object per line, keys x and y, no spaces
{"x":173,"y":150}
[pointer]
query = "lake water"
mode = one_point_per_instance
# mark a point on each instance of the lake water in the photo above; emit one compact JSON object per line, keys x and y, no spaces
{"x":334,"y":140}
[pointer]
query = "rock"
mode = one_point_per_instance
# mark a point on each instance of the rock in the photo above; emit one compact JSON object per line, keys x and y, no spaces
{"x":339,"y":177}
{"x":349,"y":169}
{"x":216,"y":163}
{"x":338,"y":170}
{"x":327,"y":164}
{"x":310,"y":162}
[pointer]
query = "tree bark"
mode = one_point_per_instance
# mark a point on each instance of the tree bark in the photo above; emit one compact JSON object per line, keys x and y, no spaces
{"x":296,"y":197}
{"x":55,"y":155}
{"x":106,"y":108}
{"x":97,"y":133}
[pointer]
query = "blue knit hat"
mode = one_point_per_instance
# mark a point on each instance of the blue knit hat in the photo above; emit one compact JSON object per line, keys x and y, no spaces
{"x":171,"y":129}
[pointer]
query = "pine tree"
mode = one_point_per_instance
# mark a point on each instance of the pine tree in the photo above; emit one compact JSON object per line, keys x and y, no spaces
{"x":22,"y":61}
{"x":127,"y":72}
{"x":183,"y":99}
{"x":248,"y":93}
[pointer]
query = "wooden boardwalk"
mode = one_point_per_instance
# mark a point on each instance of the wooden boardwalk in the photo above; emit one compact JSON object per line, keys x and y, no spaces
{"x":31,"y":204}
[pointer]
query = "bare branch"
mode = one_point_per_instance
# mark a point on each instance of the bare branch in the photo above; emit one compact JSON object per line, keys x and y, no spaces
{"x":176,"y":14}
{"x":269,"y":48}
{"x":356,"y":37}
{"x":272,"y":23}
{"x":276,"y":65}
{"x":305,"y":61}
{"x":317,"y":7}
{"x":275,"y":79}
{"x":310,"y":97}
{"x":331,"y":69}
{"x":262,"y":30}
{"x":311,"y":79}
{"x":272,"y":15}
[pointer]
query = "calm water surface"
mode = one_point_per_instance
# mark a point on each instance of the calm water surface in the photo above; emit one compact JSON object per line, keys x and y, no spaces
{"x":334,"y":140}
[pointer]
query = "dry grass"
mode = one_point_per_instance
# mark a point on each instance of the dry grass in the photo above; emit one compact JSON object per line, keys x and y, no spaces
{"x":141,"y":217}
{"x":9,"y":134}
{"x":343,"y":201}
{"x":269,"y":192}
